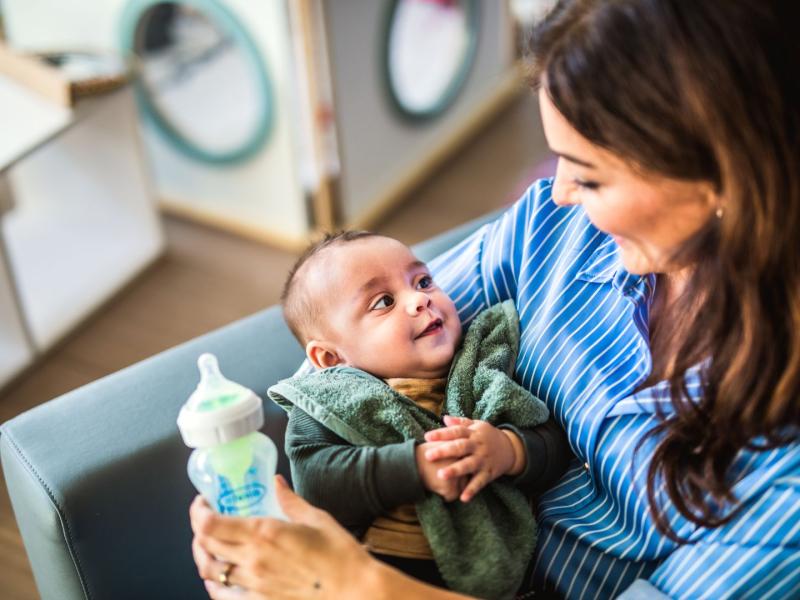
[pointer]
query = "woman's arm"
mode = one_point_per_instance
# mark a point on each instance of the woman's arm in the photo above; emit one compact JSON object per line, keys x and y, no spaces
{"x":755,"y":555}
{"x":310,"y":556}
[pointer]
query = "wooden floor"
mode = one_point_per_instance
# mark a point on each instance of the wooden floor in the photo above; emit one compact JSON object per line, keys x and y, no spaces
{"x":207,"y":279}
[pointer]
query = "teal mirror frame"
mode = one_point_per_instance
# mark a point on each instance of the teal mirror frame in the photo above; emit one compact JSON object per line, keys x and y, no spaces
{"x":455,"y":87}
{"x":219,"y":14}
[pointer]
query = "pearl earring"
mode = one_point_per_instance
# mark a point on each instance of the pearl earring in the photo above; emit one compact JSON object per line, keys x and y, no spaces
{"x":720,"y":211}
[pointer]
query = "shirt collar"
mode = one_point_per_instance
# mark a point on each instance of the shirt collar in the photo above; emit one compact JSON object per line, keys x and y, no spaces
{"x":604,"y":265}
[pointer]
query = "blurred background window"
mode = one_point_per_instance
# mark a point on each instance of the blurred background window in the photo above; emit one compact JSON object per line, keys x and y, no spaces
{"x":430,"y":46}
{"x":202,"y":79}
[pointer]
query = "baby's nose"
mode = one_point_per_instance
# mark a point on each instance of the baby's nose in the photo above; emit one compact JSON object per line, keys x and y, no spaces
{"x":418,"y":302}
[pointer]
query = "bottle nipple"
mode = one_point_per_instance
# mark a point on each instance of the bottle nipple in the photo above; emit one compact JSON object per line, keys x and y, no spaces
{"x":214,"y":390}
{"x":210,"y":374}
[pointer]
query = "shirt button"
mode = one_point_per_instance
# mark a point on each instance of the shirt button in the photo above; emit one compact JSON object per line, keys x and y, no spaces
{"x":586,"y":466}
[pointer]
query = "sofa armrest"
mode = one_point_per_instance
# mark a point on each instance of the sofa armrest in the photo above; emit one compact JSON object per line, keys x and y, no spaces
{"x":97,"y":477}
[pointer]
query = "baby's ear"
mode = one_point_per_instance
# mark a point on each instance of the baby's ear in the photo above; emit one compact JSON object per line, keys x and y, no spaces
{"x":322,"y":355}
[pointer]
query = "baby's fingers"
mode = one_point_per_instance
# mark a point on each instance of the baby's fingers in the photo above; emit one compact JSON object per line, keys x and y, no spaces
{"x":455,"y":449}
{"x":450,"y":420}
{"x":465,"y":466}
{"x":456,"y":487}
{"x":475,"y":485}
{"x":446,"y":434}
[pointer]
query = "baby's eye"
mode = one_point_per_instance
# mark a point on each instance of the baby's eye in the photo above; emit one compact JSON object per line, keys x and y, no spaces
{"x":384,"y":301}
{"x":425,"y":282}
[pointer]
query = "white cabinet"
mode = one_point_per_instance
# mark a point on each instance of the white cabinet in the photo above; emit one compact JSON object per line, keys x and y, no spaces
{"x":82,"y":221}
{"x":16,"y":350}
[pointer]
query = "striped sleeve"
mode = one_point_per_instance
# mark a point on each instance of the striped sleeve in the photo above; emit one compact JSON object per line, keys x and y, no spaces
{"x":483,"y":269}
{"x":757,"y":555}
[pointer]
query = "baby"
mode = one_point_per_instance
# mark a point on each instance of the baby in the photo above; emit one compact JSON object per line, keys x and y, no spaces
{"x":375,"y":325}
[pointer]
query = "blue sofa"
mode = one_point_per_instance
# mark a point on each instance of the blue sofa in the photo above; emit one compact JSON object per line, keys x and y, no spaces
{"x":97,"y":477}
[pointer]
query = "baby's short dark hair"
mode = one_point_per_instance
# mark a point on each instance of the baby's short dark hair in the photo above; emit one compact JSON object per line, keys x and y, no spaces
{"x":300,"y":311}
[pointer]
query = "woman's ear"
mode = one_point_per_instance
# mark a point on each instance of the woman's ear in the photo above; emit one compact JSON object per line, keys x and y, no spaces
{"x":322,"y":355}
{"x":713,"y":199}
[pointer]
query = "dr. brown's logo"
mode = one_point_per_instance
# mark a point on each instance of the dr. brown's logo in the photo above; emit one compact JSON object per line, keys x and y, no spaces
{"x":240,"y":498}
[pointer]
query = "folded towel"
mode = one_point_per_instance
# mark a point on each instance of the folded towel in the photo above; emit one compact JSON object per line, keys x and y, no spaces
{"x":482,"y":547}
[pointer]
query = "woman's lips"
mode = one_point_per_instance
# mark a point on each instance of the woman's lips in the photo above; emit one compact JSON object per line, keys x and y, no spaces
{"x":433,"y":328}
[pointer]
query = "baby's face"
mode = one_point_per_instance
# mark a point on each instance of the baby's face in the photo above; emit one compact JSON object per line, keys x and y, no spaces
{"x":382,"y":311}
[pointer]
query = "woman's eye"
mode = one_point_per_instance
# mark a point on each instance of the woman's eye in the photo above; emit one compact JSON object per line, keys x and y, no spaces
{"x":425,"y":282}
{"x":586,"y":185}
{"x":384,"y":301}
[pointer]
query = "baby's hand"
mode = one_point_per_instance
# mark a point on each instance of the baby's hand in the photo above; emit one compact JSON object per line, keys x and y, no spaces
{"x":475,"y":448}
{"x":449,"y":489}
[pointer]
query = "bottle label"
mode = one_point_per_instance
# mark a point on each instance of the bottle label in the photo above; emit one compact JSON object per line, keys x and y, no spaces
{"x":234,"y":501}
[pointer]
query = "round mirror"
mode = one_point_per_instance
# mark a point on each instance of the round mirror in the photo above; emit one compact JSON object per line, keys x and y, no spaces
{"x":430,"y":47}
{"x":202,"y":81}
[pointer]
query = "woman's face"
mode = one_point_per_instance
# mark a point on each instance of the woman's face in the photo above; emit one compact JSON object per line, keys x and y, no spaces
{"x":648,"y":215}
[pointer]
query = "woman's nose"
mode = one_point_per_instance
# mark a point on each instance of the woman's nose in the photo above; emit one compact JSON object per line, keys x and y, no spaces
{"x":561,"y":194}
{"x":417,"y":302}
{"x":564,"y":199}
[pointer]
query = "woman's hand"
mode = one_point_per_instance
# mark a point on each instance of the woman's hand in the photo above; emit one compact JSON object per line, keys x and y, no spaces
{"x":309,"y":557}
{"x":477,"y":448}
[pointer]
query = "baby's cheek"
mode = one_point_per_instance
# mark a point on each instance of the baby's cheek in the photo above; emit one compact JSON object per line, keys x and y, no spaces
{"x":456,"y":333}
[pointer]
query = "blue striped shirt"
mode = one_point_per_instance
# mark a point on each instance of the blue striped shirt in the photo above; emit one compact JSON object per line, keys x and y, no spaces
{"x":585,"y":353}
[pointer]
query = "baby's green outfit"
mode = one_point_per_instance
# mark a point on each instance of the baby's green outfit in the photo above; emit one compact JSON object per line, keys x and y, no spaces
{"x":481,"y":547}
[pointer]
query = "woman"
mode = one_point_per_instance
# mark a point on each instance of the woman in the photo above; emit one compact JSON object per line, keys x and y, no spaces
{"x":658,"y":282}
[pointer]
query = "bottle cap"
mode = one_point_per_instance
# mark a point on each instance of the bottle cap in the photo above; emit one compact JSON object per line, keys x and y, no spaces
{"x":219,"y":410}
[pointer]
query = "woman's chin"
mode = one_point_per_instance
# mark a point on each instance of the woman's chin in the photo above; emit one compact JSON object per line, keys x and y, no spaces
{"x":636,"y":264}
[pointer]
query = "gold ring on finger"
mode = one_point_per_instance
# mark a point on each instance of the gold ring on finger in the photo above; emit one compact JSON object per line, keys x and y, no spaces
{"x":224,"y":575}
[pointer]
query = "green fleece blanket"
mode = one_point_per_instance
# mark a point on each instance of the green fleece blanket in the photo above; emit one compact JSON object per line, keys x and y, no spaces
{"x":482,"y":547}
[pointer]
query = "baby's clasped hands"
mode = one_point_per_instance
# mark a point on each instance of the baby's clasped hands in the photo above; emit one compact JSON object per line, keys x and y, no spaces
{"x":448,"y":488}
{"x":476,"y":450}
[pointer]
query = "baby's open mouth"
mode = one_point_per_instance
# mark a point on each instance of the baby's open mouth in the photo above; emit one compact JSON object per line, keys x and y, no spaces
{"x":434,"y":327}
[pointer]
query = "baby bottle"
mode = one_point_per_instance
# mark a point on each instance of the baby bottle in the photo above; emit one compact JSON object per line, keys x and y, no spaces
{"x":233,"y":464}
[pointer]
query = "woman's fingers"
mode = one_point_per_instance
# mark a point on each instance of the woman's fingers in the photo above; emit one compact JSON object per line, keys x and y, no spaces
{"x":454,"y":449}
{"x":202,"y":559}
{"x":208,"y":523}
{"x":445,"y":434}
{"x":198,"y":508}
{"x":217,"y":591}
{"x":223,"y":551}
{"x":464,"y":466}
{"x":212,"y":569}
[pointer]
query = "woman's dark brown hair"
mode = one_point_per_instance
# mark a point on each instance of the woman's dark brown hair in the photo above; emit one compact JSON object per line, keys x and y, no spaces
{"x":704,"y":90}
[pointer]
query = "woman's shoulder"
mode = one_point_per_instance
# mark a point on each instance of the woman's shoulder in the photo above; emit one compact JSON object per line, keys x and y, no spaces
{"x":536,"y":202}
